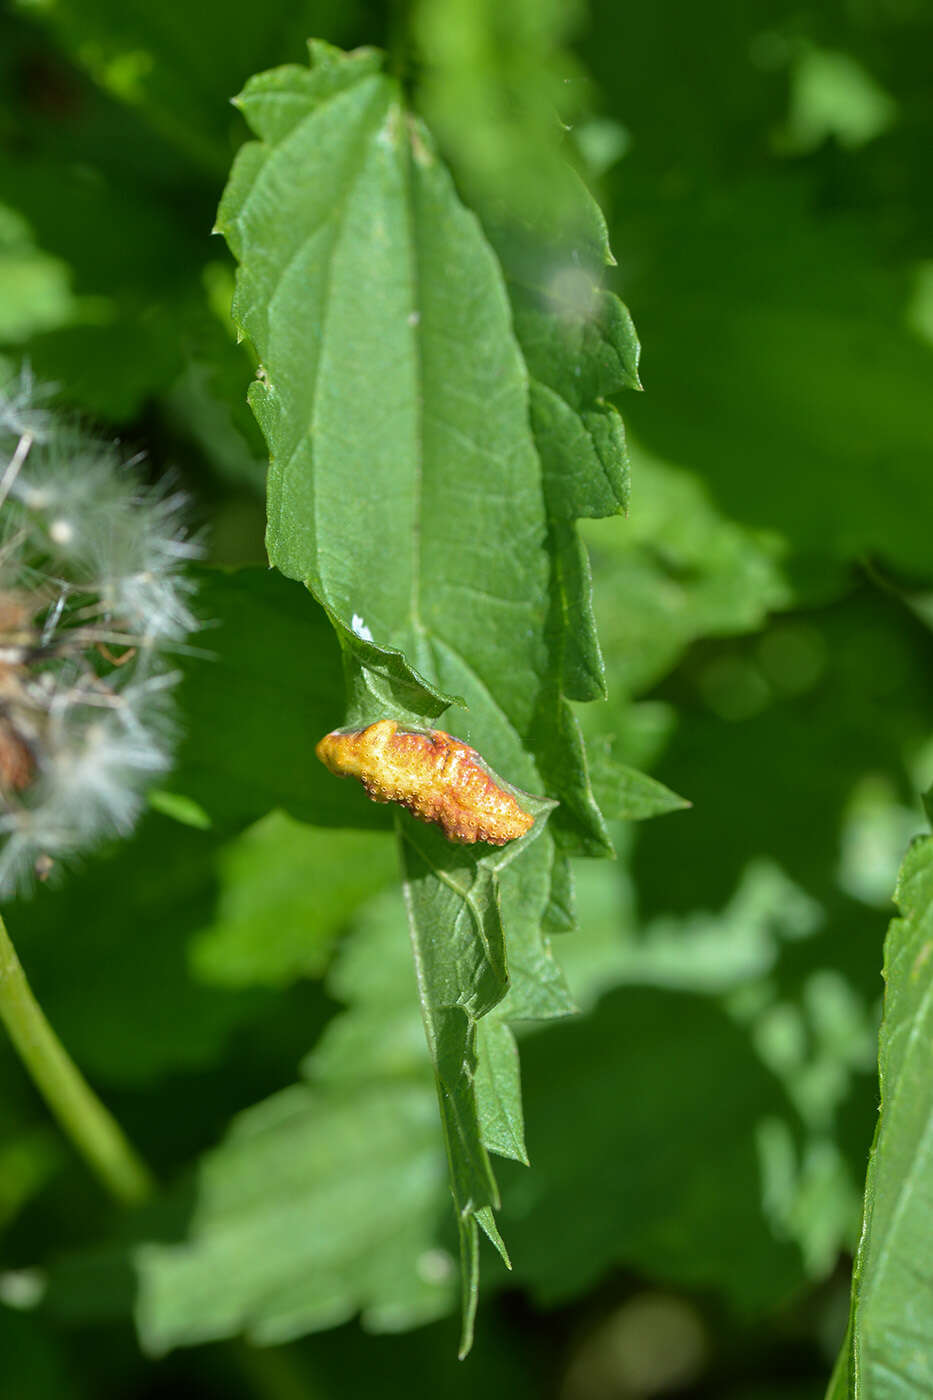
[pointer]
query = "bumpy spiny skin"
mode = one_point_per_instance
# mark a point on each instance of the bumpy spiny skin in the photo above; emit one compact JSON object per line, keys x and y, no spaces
{"x":437,"y":777}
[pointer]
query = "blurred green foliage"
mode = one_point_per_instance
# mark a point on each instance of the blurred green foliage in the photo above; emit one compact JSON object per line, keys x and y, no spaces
{"x":699,"y":1135}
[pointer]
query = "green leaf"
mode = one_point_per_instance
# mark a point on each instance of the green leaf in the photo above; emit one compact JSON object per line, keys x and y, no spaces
{"x":462,"y":976}
{"x":378,"y":1034}
{"x":626,"y":794}
{"x":35,"y":292}
{"x":181,"y":809}
{"x":889,"y":1346}
{"x":291,"y":1232}
{"x":414,"y":334}
{"x":498,"y":1090}
{"x":580,"y":346}
{"x":379,"y":679}
{"x":286,"y":890}
{"x":619,"y":1102}
{"x":406,"y":491}
{"x":456,"y":986}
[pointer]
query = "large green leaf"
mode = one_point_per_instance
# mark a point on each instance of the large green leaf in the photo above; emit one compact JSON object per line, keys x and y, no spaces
{"x":291,"y":1231}
{"x":888,"y":1353}
{"x":391,"y":381}
{"x":285,"y":892}
{"x":406,"y":491}
{"x":648,"y":1141}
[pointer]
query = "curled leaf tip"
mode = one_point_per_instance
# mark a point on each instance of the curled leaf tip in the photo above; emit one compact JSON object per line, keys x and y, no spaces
{"x":436,"y":777}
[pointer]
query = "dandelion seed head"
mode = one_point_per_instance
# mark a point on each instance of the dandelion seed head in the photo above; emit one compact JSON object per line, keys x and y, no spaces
{"x":23,"y":409}
{"x":92,"y":598}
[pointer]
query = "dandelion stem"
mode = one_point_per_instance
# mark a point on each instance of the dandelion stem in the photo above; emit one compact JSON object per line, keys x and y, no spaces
{"x":92,"y":1128}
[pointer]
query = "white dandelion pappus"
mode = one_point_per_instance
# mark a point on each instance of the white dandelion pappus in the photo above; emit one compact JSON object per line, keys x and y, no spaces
{"x":92,"y":597}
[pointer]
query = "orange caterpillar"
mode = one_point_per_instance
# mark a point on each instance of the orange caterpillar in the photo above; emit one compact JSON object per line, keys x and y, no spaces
{"x":438,"y":778}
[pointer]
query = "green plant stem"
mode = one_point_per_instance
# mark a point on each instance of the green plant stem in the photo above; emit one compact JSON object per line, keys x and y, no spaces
{"x":91,"y":1127}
